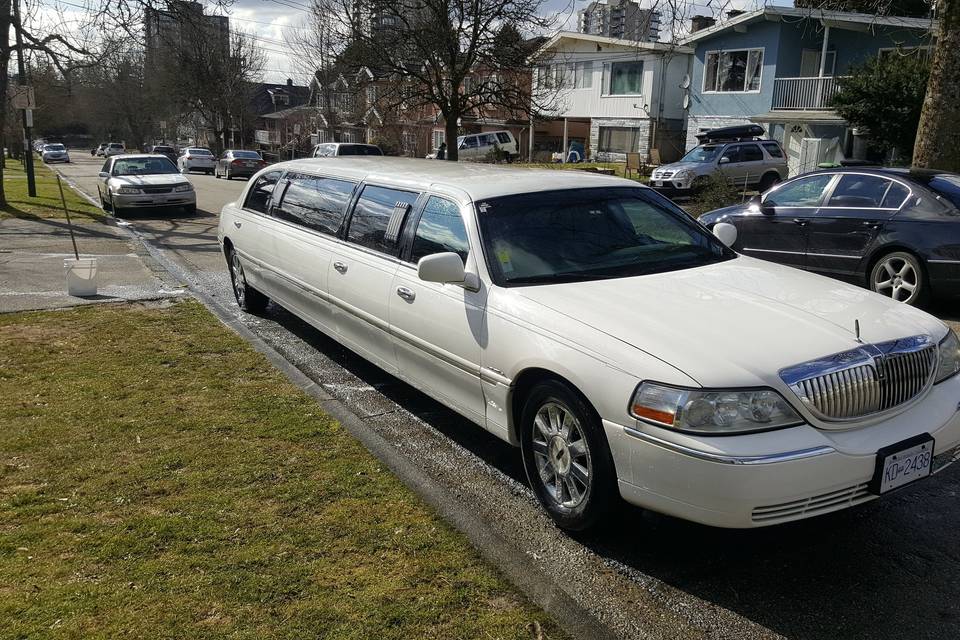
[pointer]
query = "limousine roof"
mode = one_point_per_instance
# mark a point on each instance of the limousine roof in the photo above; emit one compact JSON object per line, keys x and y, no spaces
{"x":479,"y":181}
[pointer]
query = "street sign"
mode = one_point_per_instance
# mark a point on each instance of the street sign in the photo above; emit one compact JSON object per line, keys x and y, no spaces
{"x":22,"y":97}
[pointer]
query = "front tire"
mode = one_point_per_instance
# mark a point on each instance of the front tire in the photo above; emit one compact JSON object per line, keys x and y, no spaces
{"x":566,"y":456}
{"x":900,"y":276}
{"x":248,"y":299}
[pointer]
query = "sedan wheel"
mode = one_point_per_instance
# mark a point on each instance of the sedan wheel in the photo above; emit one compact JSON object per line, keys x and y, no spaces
{"x":898,"y":276}
{"x":248,"y":298}
{"x":566,"y":456}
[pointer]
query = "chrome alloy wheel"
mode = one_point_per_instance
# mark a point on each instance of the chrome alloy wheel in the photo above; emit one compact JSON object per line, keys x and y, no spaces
{"x":562,"y":455}
{"x":897,"y":278}
{"x":236,"y":274}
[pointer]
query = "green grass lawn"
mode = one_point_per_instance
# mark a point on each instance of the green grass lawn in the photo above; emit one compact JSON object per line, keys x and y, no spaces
{"x":47,"y":203}
{"x":159,"y":479}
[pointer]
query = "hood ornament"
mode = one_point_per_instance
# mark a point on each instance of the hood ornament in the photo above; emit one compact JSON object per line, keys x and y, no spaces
{"x":856,"y":330}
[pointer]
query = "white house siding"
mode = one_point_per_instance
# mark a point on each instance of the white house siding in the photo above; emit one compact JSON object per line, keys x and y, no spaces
{"x":699,"y":124}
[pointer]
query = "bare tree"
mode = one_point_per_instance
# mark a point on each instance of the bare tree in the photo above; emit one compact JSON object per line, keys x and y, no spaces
{"x":938,"y":136}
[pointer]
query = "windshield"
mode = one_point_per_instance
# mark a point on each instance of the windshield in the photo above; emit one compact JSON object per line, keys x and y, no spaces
{"x":143,"y":166}
{"x":55,"y":147}
{"x":703,"y":153}
{"x":253,"y":155}
{"x":359,"y":150}
{"x":116,"y":145}
{"x":590,"y":234}
{"x":162,"y":149}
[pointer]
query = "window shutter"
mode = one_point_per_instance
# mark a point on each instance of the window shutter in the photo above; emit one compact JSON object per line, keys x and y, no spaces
{"x":605,"y":83}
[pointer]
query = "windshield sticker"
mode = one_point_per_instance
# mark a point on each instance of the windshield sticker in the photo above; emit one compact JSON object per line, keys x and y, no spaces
{"x":504,"y":257}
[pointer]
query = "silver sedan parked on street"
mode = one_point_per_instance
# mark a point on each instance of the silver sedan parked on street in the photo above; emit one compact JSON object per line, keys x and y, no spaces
{"x":143,"y":181}
{"x":54,"y":152}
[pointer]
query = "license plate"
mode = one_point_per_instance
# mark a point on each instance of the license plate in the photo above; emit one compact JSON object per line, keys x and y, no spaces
{"x":903,"y":463}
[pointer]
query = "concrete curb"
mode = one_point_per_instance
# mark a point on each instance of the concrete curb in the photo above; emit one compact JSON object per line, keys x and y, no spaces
{"x":510,"y":561}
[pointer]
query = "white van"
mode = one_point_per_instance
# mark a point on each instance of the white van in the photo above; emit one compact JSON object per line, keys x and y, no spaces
{"x":476,"y":146}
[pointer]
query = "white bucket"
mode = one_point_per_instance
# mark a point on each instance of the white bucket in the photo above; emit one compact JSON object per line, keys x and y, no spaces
{"x":81,"y":276}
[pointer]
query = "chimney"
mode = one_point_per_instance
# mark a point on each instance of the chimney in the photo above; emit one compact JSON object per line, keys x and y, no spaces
{"x":733,"y":13}
{"x":289,"y":82}
{"x":698,"y":23}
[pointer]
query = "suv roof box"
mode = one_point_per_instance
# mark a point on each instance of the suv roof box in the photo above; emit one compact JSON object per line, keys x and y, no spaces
{"x":739,"y":132}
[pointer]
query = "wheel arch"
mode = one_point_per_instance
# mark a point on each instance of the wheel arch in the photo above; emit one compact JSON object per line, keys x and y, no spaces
{"x":886,"y":249}
{"x":523,"y":383}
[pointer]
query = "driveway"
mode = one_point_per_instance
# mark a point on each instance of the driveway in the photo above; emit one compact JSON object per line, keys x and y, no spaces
{"x":885,"y":569}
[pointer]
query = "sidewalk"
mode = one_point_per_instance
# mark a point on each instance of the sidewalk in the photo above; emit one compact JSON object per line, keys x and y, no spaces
{"x":34,"y":242}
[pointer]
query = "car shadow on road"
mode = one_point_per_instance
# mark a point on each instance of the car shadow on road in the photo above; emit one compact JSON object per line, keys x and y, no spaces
{"x":867,"y":572}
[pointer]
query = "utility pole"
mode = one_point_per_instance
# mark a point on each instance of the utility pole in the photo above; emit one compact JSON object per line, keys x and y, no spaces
{"x":27,"y":117}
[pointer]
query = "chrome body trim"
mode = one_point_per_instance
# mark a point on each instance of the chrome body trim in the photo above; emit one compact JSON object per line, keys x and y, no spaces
{"x":771,"y":458}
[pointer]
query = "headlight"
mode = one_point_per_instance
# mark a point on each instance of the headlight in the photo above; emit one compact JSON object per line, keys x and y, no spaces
{"x":183,"y":187}
{"x":712,"y":412}
{"x":949,"y":357}
{"x":685,"y":174}
{"x":128,"y":190}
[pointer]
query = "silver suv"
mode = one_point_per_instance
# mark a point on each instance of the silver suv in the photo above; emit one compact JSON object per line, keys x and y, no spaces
{"x":748,"y":164}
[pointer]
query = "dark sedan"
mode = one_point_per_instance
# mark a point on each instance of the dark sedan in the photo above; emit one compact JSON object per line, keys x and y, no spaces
{"x":896,"y":231}
{"x":236,"y":163}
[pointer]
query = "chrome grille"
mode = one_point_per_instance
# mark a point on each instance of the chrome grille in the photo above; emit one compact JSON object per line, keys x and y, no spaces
{"x":813,"y":505}
{"x":867,"y":380}
{"x":157,"y":189}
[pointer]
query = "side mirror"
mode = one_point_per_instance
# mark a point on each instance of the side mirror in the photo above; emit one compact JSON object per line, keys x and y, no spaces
{"x":441,"y":267}
{"x":103,"y":174}
{"x":724,"y":159}
{"x":726,"y":233}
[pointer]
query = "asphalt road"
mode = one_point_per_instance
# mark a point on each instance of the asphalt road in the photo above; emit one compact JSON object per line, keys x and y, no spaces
{"x":887,"y":569}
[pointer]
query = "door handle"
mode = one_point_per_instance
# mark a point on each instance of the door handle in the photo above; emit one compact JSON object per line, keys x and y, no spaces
{"x":237,"y":224}
{"x":800,"y":221}
{"x":339,"y":266}
{"x":871,"y":225}
{"x":406,"y":294}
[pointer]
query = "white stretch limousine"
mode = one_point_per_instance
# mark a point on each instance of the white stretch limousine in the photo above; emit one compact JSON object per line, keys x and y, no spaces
{"x":623,"y":347}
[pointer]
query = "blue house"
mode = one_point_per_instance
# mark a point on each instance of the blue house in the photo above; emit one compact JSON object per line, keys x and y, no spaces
{"x":779,"y":66}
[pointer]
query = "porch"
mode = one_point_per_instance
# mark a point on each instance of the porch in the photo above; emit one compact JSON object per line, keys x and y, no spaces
{"x":804,"y":94}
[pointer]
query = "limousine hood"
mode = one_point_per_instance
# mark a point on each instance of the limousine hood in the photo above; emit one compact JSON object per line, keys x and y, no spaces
{"x":735,"y":323}
{"x":154,"y":180}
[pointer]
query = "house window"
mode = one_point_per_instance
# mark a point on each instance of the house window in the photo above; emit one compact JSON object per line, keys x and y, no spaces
{"x":923,"y":52}
{"x":372,"y":95}
{"x":584,"y":75}
{"x":619,"y":139}
{"x":439,"y":137}
{"x":733,"y":71}
{"x":626,"y":78}
{"x":281,"y":98}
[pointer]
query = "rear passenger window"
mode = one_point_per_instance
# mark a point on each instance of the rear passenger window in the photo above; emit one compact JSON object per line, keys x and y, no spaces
{"x":773,"y":149}
{"x":259,"y":197}
{"x":371,"y":216}
{"x":440,"y":229}
{"x":750,"y":153}
{"x":896,"y":194}
{"x":859,"y":191}
{"x":316,"y":203}
{"x":503,"y":137}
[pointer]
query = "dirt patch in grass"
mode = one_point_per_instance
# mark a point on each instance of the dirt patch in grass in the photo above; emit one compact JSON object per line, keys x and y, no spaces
{"x":47,"y":203}
{"x":158,"y":478}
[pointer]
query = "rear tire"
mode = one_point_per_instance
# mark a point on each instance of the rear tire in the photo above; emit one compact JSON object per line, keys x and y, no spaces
{"x":566,"y":456}
{"x":900,"y":276}
{"x":248,"y":299}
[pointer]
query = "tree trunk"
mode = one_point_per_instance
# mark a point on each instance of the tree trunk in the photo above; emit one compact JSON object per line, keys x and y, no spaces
{"x":6,"y":9}
{"x":938,"y":137}
{"x":450,"y":126}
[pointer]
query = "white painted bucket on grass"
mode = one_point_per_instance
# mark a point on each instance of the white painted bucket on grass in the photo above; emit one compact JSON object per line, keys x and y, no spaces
{"x":81,"y":276}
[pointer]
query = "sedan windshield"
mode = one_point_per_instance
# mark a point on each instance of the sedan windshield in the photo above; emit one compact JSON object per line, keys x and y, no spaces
{"x":55,"y":147}
{"x":703,"y":153}
{"x":253,"y":155}
{"x":143,"y":166}
{"x":359,"y":150}
{"x":590,"y":234}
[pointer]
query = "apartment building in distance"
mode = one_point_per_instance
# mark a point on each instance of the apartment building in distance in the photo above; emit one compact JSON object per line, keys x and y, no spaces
{"x":620,"y":19}
{"x":182,"y":21}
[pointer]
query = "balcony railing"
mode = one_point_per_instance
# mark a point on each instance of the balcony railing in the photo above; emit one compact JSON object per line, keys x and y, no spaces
{"x":813,"y":94}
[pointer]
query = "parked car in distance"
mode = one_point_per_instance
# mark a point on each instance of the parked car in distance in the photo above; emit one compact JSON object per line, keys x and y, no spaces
{"x":165,"y":150}
{"x":101,"y":149}
{"x":196,"y":159}
{"x":333,"y":149}
{"x":564,"y":312}
{"x":736,"y":153}
{"x":896,"y":231}
{"x":237,"y":163}
{"x":55,"y":152}
{"x":113,"y":149}
{"x":477,"y":146}
{"x":143,"y":181}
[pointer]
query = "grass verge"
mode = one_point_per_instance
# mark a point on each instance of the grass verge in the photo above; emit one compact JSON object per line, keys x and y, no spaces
{"x":47,"y":203}
{"x":160,"y":479}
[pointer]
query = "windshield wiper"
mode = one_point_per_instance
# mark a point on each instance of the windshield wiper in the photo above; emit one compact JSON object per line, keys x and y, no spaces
{"x":562,"y":276}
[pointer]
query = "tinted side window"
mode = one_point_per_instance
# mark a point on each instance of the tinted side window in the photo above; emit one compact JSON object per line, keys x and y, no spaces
{"x":803,"y":192}
{"x":440,"y":229}
{"x":372,"y":215}
{"x":773,"y":149}
{"x":316,"y":203}
{"x":750,"y":153}
{"x":106,"y":166}
{"x":731,"y":153}
{"x":470,"y":142}
{"x":859,"y":191}
{"x":259,"y":197}
{"x":503,"y":137}
{"x":896,"y":194}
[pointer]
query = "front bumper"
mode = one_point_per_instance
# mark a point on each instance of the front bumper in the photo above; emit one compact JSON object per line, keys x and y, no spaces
{"x":146,"y":200}
{"x":50,"y":160}
{"x":673,"y":188}
{"x":778,"y":476}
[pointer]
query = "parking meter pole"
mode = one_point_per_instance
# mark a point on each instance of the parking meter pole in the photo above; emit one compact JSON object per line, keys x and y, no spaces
{"x":27,"y":125}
